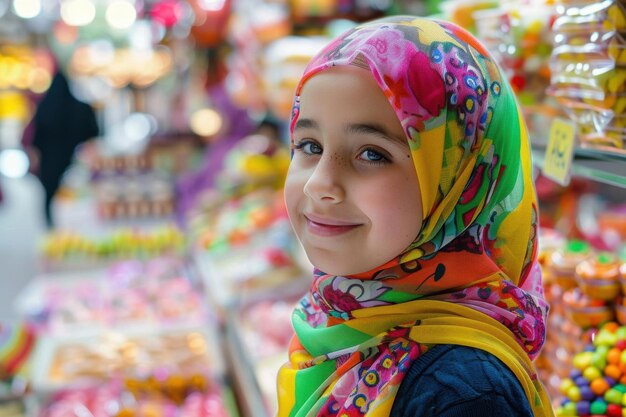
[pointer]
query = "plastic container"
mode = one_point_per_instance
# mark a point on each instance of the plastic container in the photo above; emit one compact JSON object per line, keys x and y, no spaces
{"x":598,"y":277}
{"x":562,"y":263}
{"x":622,"y":277}
{"x":620,"y":311}
{"x":586,"y":312}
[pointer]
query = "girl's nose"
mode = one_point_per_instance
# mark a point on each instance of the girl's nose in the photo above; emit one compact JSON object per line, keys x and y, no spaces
{"x":326,"y":182}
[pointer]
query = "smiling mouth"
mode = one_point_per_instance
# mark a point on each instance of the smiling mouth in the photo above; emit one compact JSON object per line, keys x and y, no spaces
{"x":328,"y":228}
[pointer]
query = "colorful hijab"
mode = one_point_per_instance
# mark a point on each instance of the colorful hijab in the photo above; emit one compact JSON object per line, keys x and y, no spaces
{"x":470,"y":278}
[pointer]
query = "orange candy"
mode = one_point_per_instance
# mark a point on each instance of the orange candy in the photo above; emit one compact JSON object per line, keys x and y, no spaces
{"x":611,"y":326}
{"x":613,"y":371}
{"x":613,"y":356}
{"x":599,"y":386}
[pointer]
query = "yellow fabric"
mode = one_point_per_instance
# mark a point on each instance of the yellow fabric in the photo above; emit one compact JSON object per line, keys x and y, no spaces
{"x":447,"y":323}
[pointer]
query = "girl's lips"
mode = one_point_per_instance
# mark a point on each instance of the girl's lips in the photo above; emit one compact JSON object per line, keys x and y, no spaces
{"x":322,"y":227}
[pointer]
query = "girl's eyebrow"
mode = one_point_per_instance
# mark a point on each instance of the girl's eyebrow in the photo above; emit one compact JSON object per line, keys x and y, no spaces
{"x":357,"y":128}
{"x":306,"y":124}
{"x":376,"y":129}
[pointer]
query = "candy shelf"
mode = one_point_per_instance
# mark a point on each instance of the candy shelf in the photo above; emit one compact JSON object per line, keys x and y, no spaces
{"x":246,"y":387}
{"x":51,"y":372}
{"x":258,"y":336}
{"x":608,"y":167}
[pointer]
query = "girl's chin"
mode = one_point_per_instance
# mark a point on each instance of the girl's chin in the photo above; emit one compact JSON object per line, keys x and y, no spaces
{"x":335,"y":268}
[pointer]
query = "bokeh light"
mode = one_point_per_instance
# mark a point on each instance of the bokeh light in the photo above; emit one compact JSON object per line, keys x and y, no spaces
{"x":78,"y":12}
{"x":139,"y":126}
{"x":206,"y":122}
{"x":121,"y":14}
{"x":13,"y":163}
{"x":27,"y":9}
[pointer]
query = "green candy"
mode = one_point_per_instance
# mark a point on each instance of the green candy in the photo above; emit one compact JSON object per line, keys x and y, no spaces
{"x":598,"y":407}
{"x":621,"y":388}
{"x":569,"y":409}
{"x":613,"y":396}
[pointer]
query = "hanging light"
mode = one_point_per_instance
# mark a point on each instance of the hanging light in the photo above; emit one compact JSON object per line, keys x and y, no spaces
{"x":121,"y":14}
{"x":27,"y":9}
{"x":78,"y":12}
{"x":13,"y":163}
{"x":211,"y":5}
{"x":206,"y":122}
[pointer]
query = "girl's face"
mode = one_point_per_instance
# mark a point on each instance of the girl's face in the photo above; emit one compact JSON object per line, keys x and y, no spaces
{"x":352,"y":192}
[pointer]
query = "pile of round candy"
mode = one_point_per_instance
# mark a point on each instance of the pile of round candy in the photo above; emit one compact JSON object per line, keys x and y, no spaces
{"x":121,"y":244}
{"x":597,"y":384}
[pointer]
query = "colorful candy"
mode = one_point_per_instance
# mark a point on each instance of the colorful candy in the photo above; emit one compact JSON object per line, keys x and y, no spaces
{"x":597,"y":384}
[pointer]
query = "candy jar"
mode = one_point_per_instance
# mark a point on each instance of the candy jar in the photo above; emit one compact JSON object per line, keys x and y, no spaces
{"x":562,"y":263}
{"x":598,"y":277}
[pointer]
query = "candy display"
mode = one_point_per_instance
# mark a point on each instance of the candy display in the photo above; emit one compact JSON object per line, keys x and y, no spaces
{"x":234,"y":222}
{"x":265,"y":265}
{"x":283,"y":62}
{"x":68,"y":246}
{"x":598,"y":277}
{"x":169,"y":157}
{"x":255,"y":162}
{"x":562,"y":263}
{"x":588,"y":69}
{"x":583,"y":287}
{"x":245,"y":247}
{"x":69,"y":362}
{"x":612,"y":224}
{"x":136,"y":184}
{"x":155,"y":396}
{"x":128,"y":293}
{"x":518,"y":36}
{"x":597,"y":382}
{"x":266,"y":327}
{"x":463,"y":13}
{"x":134,"y":196}
{"x":262,"y":332}
{"x":585,"y":311}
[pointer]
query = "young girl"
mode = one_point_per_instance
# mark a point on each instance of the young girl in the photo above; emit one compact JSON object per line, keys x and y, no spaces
{"x":410,"y":189}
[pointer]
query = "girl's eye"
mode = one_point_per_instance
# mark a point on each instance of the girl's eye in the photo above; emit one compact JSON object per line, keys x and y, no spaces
{"x":371,"y":155}
{"x":309,"y":147}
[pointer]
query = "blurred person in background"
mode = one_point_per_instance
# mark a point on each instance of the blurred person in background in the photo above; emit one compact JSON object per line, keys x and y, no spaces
{"x":61,"y":122}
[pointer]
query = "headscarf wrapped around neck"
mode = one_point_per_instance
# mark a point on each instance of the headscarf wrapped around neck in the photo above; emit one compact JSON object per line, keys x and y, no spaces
{"x":470,"y":277}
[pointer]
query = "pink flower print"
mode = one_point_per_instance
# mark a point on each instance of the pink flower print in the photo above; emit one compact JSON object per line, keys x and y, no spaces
{"x":340,"y":301}
{"x":426,"y":84}
{"x":345,"y":295}
{"x":386,"y":46}
{"x":345,"y":385}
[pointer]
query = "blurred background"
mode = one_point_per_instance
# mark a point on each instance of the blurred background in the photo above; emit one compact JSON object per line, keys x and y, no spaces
{"x":147,"y":267}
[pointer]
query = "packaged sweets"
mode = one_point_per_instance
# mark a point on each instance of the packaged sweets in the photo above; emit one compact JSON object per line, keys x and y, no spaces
{"x":562,"y":263}
{"x":519,"y":38}
{"x":586,"y":312}
{"x":598,"y":277}
{"x":588,"y":66}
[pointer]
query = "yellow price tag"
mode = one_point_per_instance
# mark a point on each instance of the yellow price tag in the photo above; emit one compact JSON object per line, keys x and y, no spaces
{"x":560,"y":151}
